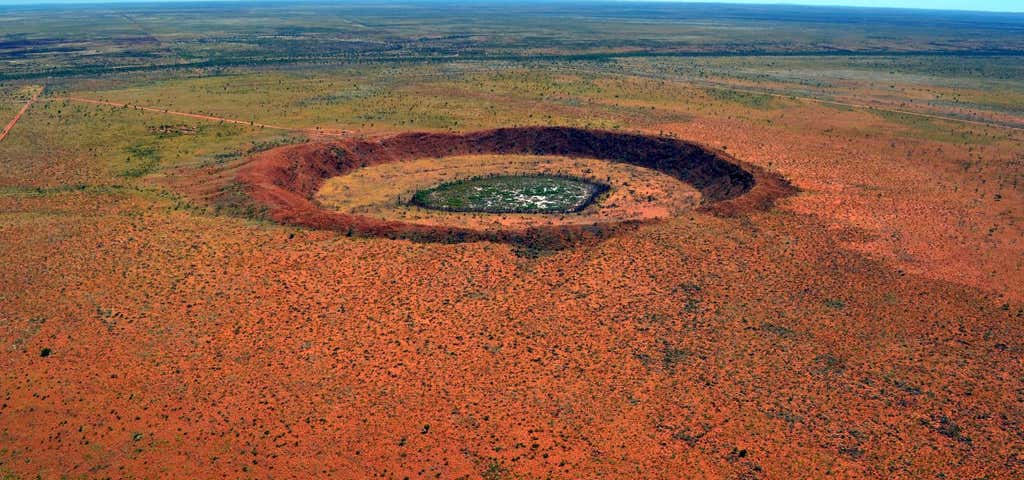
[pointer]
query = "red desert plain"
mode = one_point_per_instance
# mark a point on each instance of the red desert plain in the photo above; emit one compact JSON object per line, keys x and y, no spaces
{"x":510,"y":241}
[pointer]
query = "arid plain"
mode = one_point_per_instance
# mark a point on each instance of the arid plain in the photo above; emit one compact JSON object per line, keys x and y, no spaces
{"x":159,"y":319}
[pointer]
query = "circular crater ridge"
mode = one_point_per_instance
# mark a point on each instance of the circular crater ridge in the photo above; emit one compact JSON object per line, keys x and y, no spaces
{"x":284,"y":181}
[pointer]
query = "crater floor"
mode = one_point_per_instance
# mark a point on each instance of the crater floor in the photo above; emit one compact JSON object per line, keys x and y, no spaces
{"x":384,"y":191}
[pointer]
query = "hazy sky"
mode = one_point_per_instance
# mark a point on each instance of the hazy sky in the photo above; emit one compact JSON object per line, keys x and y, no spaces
{"x":983,"y":5}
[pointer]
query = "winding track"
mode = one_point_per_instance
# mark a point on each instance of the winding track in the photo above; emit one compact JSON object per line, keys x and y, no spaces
{"x":10,"y":125}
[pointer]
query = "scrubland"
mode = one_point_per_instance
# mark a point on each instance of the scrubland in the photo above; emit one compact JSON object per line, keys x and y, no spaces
{"x":868,"y":326}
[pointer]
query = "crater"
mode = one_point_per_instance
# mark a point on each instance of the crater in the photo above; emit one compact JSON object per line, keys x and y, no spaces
{"x":285,"y":182}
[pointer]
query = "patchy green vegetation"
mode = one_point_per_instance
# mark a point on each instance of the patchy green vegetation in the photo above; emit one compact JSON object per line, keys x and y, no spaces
{"x":142,"y":160}
{"x":749,"y":100}
{"x":511,"y":194}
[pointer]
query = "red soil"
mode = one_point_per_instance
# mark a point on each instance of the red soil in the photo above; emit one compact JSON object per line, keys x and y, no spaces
{"x":760,"y":346}
{"x":285,"y":180}
{"x":191,"y":346}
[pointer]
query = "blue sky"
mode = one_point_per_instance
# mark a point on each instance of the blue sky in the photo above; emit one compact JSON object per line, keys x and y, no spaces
{"x":984,"y":5}
{"x":979,"y":5}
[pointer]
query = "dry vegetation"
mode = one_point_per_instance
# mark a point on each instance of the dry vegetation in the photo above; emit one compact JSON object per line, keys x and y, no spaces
{"x":869,"y":326}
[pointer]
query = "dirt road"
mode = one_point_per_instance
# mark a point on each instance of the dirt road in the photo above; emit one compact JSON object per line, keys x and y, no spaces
{"x":10,"y":125}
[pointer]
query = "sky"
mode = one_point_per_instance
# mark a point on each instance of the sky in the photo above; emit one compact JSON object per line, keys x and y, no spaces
{"x":981,"y":5}
{"x":978,"y":5}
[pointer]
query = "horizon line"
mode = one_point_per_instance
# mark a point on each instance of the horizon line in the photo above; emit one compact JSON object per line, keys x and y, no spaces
{"x":782,"y":3}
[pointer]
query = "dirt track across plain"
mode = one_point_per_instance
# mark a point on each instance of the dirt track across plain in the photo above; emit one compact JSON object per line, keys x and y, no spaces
{"x":10,"y":125}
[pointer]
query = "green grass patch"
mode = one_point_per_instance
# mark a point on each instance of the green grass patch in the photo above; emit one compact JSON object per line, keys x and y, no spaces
{"x":142,"y":160}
